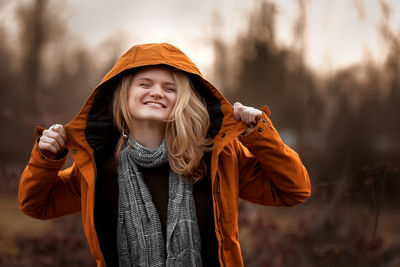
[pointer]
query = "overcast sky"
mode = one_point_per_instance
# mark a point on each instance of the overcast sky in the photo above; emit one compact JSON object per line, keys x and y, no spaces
{"x":337,"y":33}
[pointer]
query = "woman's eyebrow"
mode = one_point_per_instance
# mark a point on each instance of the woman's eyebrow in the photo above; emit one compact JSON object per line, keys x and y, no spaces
{"x":169,"y":83}
{"x":144,"y":79}
{"x":151,"y":80}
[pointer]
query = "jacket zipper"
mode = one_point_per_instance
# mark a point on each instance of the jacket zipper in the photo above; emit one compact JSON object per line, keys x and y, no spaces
{"x":217,"y":200}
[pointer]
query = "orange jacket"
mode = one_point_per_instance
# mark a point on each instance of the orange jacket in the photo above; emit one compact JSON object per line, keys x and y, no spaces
{"x":259,"y":168}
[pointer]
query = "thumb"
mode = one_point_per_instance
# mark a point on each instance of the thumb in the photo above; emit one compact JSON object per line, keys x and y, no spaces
{"x":61,"y":130}
{"x":236,"y":107}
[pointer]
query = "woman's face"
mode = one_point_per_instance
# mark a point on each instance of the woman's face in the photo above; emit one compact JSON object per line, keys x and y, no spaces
{"x":152,"y":95}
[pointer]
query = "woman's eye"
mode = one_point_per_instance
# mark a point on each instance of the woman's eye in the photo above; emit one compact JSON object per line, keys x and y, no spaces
{"x":144,"y":85}
{"x":170,"y":89}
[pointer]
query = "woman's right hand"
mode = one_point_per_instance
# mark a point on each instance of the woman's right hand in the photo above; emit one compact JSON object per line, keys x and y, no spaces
{"x":53,"y":140}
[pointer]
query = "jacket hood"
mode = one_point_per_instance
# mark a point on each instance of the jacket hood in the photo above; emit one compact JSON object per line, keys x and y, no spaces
{"x":93,"y":128}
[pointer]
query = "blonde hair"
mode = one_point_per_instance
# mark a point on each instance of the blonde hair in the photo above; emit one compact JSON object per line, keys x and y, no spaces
{"x":185,"y":131}
{"x":121,"y":114}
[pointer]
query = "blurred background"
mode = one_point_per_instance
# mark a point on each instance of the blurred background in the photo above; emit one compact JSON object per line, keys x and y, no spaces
{"x":328,"y":70}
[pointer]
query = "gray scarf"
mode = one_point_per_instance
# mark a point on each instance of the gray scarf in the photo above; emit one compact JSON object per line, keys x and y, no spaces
{"x":139,"y":235}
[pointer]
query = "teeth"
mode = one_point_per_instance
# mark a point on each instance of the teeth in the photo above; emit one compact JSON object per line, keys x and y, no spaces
{"x":154,"y":104}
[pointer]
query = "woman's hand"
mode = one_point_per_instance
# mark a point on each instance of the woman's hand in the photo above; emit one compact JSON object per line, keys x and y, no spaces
{"x":53,"y":140}
{"x":248,"y":115}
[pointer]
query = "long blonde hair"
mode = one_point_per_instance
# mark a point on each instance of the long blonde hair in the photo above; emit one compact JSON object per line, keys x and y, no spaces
{"x":185,"y":131}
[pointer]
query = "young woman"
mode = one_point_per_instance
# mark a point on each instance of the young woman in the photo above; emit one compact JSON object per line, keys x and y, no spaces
{"x":160,"y":160}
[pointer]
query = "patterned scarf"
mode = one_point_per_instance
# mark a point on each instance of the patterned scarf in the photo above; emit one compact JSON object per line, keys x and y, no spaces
{"x":139,"y":235}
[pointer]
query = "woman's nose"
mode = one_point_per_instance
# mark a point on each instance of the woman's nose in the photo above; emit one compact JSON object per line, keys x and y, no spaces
{"x":156,"y":92}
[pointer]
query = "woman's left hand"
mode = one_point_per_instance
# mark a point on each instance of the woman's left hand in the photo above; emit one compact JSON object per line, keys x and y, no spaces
{"x":248,"y":115}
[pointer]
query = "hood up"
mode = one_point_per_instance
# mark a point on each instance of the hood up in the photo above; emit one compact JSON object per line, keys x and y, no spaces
{"x":93,"y":129}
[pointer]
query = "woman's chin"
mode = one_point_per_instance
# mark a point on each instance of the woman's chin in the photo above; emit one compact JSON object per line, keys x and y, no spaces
{"x":150,"y":119}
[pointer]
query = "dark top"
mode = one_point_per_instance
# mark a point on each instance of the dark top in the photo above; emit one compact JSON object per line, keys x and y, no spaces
{"x":156,"y":179}
{"x":106,"y":208}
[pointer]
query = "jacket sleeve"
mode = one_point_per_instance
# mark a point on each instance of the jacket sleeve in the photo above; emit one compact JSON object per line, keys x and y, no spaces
{"x":45,"y":192}
{"x":270,"y":172}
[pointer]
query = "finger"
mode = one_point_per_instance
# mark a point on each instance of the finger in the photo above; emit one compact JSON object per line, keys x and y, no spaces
{"x":249,"y":116}
{"x":56,"y":143}
{"x":58,"y":128}
{"x":245,"y":115}
{"x":48,"y":134}
{"x":237,"y":108}
{"x":53,"y":142}
{"x":57,"y":137}
{"x":258,"y":115}
{"x":44,"y":147}
{"x":57,"y":132}
{"x":48,"y":144}
{"x":254,"y":116}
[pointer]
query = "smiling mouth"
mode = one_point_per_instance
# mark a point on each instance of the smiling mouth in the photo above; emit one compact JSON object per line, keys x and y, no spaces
{"x":154,"y":104}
